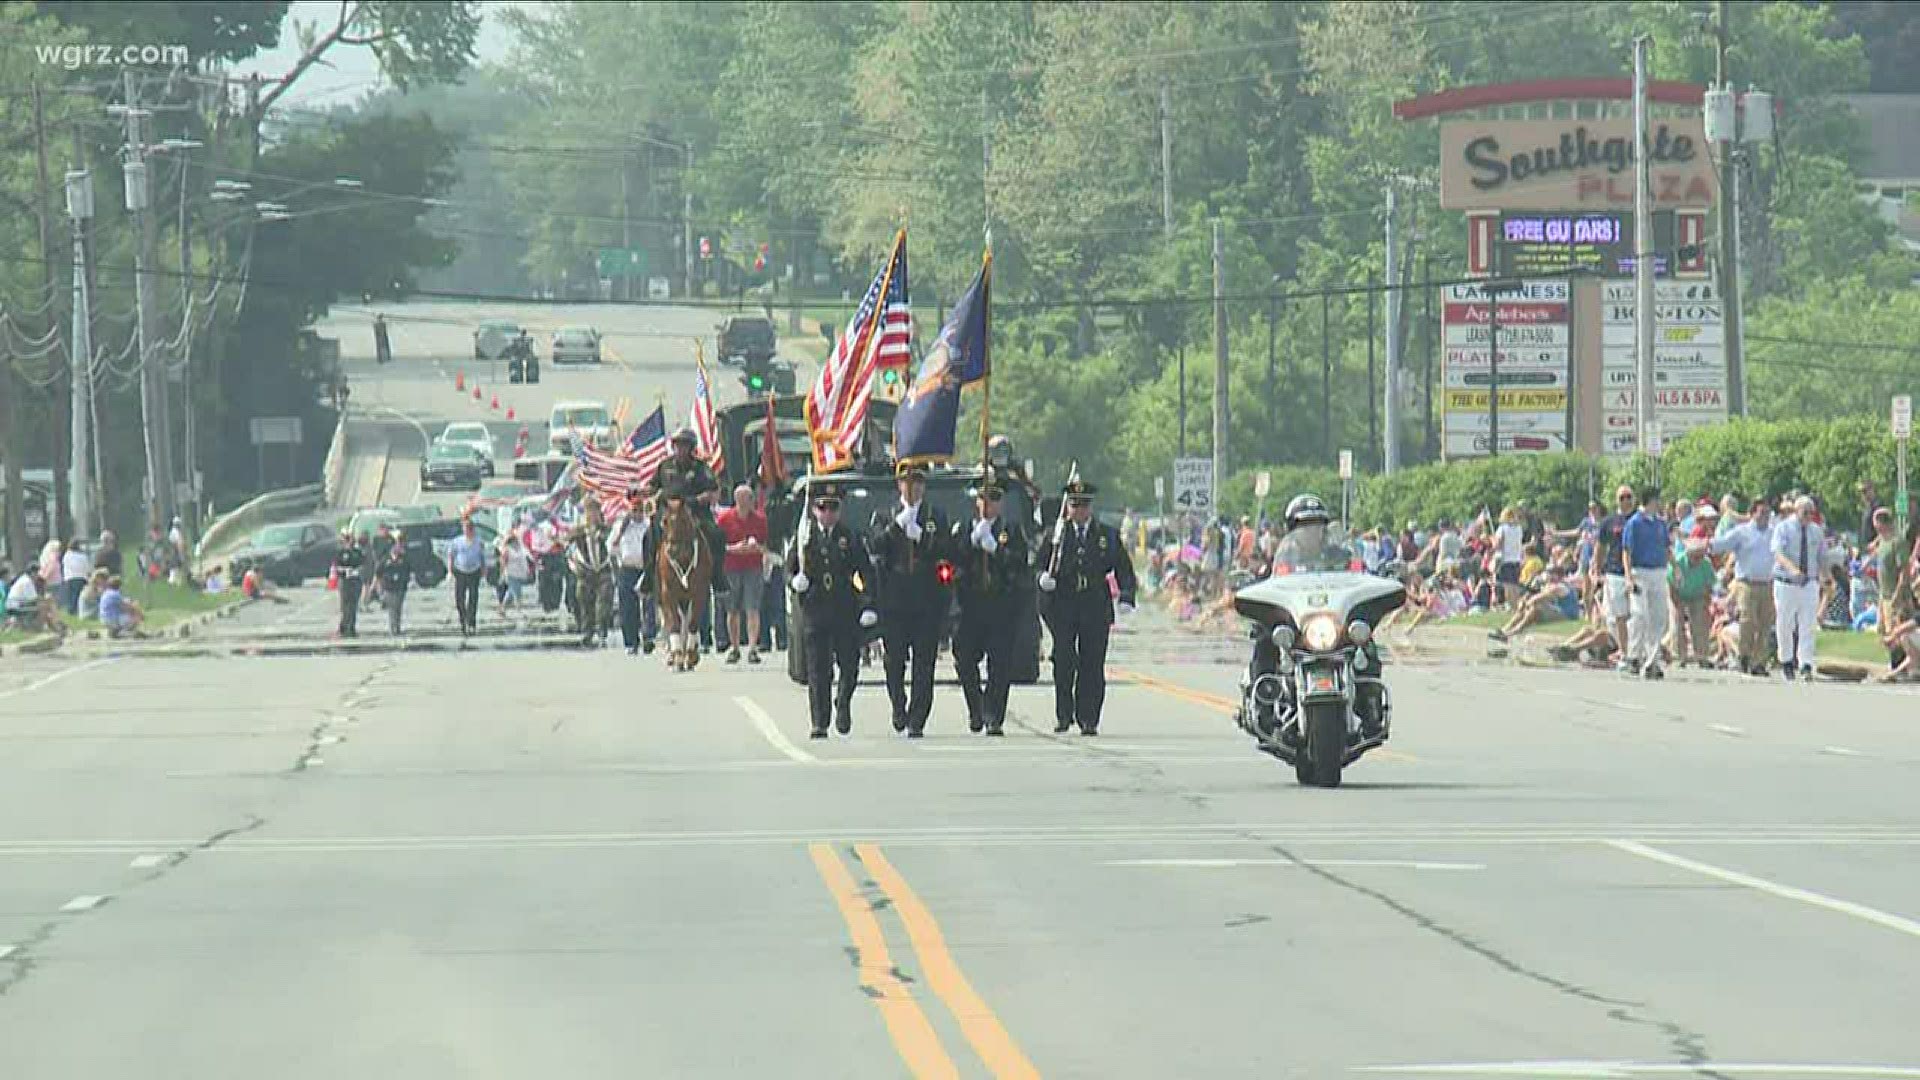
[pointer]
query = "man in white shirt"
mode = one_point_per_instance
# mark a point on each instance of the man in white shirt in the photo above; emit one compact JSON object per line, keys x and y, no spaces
{"x":29,"y":607}
{"x":631,"y":552}
{"x":1798,"y":544}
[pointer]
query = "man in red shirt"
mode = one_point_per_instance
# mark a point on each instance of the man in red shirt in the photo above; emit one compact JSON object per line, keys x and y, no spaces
{"x":745,"y":527}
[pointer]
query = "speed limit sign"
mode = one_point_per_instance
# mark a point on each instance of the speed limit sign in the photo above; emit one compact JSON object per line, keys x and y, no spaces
{"x":1193,"y":484}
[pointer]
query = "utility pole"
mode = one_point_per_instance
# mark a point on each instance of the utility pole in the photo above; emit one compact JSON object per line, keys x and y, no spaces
{"x":1642,"y":244}
{"x":1493,"y":368}
{"x":1220,"y":420}
{"x":80,"y":353}
{"x":61,"y":520}
{"x":1166,"y":160}
{"x":189,"y":449}
{"x":1730,"y":227}
{"x":97,"y":490}
{"x":1390,"y":457}
{"x":686,"y":213}
{"x":152,"y":403}
{"x":626,"y":226}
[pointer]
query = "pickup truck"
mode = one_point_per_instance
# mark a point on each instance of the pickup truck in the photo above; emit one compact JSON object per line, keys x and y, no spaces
{"x":571,"y":420}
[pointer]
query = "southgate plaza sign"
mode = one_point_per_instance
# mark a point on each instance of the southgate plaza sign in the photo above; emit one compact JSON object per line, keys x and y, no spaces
{"x":1569,"y":164}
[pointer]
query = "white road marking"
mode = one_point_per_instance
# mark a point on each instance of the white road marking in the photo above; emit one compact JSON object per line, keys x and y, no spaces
{"x":771,"y":731}
{"x":83,"y":903}
{"x":57,"y":676}
{"x":1213,"y":863}
{"x":1602,"y":1070}
{"x":1786,"y":892}
{"x":1728,"y":729}
{"x":1840,"y":751}
{"x":148,"y":862}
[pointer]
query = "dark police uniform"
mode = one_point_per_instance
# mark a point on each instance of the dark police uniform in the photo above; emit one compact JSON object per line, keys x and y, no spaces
{"x":351,"y":565}
{"x":988,"y":583}
{"x":691,"y":479}
{"x":1080,"y":611}
{"x":913,"y":605}
{"x":838,"y":570}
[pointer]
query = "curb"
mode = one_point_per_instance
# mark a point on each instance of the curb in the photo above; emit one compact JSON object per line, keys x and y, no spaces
{"x":174,"y":632}
{"x":45,"y":643}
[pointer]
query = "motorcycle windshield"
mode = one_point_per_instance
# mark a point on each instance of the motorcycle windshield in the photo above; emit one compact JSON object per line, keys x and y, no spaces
{"x":1316,"y":549}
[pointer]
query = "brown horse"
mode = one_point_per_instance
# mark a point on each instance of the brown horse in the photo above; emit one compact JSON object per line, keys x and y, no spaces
{"x":684,"y":570}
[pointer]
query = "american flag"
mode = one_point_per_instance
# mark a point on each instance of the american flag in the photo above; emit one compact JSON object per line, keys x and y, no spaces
{"x":705,"y":427}
{"x":610,"y":475}
{"x":881,"y":330}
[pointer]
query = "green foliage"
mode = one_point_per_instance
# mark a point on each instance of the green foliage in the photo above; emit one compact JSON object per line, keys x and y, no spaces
{"x":1833,"y":351}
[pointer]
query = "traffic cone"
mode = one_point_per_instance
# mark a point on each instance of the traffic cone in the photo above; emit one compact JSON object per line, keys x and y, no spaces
{"x":496,"y":403}
{"x":509,"y":412}
{"x":476,"y":393}
{"x":460,"y":380}
{"x":333,"y":579}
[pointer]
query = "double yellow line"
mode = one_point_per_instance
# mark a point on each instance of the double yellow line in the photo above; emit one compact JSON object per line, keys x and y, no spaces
{"x":912,"y":1033}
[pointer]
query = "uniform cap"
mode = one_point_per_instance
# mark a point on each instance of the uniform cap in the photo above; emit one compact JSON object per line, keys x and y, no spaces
{"x":910,"y":470}
{"x":686,"y":435}
{"x":1080,"y":491}
{"x":989,"y":489}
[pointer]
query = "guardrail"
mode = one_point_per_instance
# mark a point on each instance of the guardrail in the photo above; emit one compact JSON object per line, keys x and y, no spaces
{"x":266,"y":509}
{"x":335,"y":470}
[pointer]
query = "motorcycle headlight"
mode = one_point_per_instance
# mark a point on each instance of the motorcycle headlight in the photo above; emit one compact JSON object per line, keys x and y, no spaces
{"x":1321,"y":632}
{"x":1359,"y":632}
{"x":1282,"y":637}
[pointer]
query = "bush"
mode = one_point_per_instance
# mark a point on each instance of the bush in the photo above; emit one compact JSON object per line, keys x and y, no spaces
{"x":1745,"y":457}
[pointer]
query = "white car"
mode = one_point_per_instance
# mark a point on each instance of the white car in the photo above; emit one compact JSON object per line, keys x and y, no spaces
{"x":570,"y":420}
{"x":471,"y":434}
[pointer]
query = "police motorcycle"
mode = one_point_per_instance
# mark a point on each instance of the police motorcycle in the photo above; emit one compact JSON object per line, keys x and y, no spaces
{"x":1313,"y":695}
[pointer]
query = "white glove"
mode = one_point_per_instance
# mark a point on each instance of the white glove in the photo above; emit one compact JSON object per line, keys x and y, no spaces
{"x":904,"y":518}
{"x":1126,"y":608}
{"x":988,"y":544}
{"x":913,"y":530}
{"x":868,"y":620}
{"x":1046,"y":581}
{"x":799,"y":583}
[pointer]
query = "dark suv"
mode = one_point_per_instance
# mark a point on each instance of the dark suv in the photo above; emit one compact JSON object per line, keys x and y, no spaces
{"x":746,"y":339}
{"x":865,"y":493}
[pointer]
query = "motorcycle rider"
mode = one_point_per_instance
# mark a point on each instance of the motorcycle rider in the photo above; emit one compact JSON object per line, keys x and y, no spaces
{"x":1307,"y":545}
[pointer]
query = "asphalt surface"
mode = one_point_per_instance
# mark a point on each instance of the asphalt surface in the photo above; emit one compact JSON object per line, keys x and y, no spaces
{"x":513,"y":861}
{"x":647,"y":358}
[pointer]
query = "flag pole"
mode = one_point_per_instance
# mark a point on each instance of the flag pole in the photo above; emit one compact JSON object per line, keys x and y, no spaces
{"x":986,"y":324}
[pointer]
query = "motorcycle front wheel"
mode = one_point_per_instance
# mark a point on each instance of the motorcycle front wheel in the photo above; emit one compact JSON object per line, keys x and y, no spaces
{"x":1326,"y":750}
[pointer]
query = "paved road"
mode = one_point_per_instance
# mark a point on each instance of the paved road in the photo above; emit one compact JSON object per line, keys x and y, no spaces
{"x":518,"y":862}
{"x":648,"y":358}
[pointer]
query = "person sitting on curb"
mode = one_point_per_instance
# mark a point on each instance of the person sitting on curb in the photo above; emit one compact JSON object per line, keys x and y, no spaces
{"x":121,"y":616}
{"x":1556,"y":599}
{"x":30,"y":608}
{"x":90,"y":593}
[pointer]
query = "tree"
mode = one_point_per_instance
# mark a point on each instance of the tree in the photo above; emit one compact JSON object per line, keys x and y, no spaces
{"x":1890,"y":30}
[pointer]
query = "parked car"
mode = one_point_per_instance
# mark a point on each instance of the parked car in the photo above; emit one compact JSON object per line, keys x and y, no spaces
{"x":543,"y":469}
{"x":366,"y":523}
{"x":287,"y":554}
{"x":452,"y":465}
{"x":590,"y":420}
{"x":471,"y":433}
{"x":428,"y":542}
{"x":576,"y":345}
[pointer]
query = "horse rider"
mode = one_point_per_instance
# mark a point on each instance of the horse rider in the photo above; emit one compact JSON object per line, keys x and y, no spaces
{"x":828,"y":569}
{"x":690,"y":476}
{"x":909,"y":554}
{"x":991,"y":553}
{"x":1081,"y":609}
{"x":591,"y":563}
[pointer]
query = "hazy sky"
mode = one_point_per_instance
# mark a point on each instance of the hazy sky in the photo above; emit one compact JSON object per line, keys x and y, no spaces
{"x":351,"y":71}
